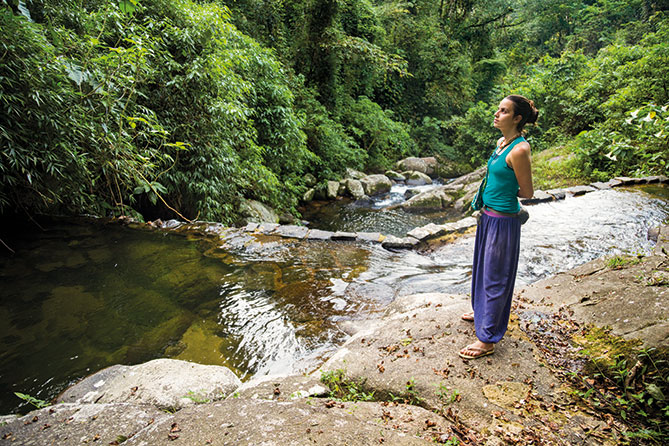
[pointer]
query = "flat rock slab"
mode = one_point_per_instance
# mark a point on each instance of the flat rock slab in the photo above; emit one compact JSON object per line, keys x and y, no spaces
{"x":77,"y":424}
{"x":538,"y":197}
{"x":317,"y":234}
{"x":412,"y":355}
{"x":296,"y":423}
{"x":374,"y":237}
{"x":340,"y":235}
{"x":292,"y":231}
{"x":579,"y":190}
{"x":164,"y":383}
{"x":267,"y":228}
{"x":600,"y":186}
{"x":558,"y":194}
{"x":628,"y":299}
{"x":392,"y":242}
{"x":427,"y":231}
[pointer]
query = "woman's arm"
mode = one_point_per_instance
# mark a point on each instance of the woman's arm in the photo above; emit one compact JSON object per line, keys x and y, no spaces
{"x":520,"y":160}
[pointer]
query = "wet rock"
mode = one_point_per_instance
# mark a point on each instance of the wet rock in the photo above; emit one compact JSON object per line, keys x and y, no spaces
{"x":164,"y":383}
{"x":558,"y":194}
{"x":317,"y":234}
{"x":626,"y":181}
{"x":369,"y":237}
{"x":354,"y":174}
{"x":538,"y":197}
{"x":354,"y":188}
{"x":332,"y":189}
{"x":434,"y":199}
{"x":410,"y":193}
{"x":427,"y":231}
{"x":395,"y":176}
{"x":392,"y":242}
{"x":172,"y":224}
{"x":472,"y":177}
{"x":255,"y":211}
{"x":579,"y":190}
{"x":250,"y":227}
{"x":600,"y":186}
{"x":292,"y":231}
{"x":341,"y":235}
{"x":414,"y":164}
{"x":376,"y":184}
{"x":75,"y":424}
{"x":309,"y":195}
{"x":614,"y":182}
{"x":267,"y":228}
{"x":415,"y":178}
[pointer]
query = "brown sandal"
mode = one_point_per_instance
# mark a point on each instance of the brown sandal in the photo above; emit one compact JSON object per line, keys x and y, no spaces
{"x":480,"y":353}
{"x":469,"y":317}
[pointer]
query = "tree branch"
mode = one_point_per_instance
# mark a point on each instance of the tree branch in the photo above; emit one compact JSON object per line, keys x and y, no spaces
{"x":489,"y":21}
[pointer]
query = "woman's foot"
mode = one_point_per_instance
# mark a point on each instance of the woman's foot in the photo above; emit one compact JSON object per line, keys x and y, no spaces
{"x":469,"y":317}
{"x":477,"y":350}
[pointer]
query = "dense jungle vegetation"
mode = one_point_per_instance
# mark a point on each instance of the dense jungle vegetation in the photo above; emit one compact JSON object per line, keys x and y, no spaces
{"x":180,"y":108}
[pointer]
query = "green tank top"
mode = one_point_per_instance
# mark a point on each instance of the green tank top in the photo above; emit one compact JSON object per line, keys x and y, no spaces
{"x":501,"y":189}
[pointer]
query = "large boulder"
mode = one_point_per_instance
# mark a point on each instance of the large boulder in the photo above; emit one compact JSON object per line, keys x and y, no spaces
{"x":395,"y":176}
{"x":332,"y":190}
{"x":354,"y":188}
{"x":376,"y":184}
{"x":430,"y":200}
{"x":413,"y":164}
{"x":416,"y":178}
{"x":164,"y":383}
{"x":256,"y":212}
{"x":355,"y":174}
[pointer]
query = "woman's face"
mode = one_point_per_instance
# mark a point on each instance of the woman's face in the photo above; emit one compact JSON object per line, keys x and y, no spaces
{"x":504,"y":116}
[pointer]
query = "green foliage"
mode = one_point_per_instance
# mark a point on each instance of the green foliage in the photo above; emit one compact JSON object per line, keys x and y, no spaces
{"x":410,"y":395}
{"x":383,"y":139}
{"x":474,"y":136}
{"x":162,"y":105}
{"x":343,"y":389}
{"x":620,"y":261}
{"x":630,"y":381}
{"x":39,"y":404}
{"x":164,"y":108}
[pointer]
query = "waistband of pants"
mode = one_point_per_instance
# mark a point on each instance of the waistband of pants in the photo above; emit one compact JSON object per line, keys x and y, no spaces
{"x":493,"y":213}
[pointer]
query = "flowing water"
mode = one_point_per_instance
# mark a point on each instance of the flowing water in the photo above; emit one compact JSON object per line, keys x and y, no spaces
{"x":80,"y":296}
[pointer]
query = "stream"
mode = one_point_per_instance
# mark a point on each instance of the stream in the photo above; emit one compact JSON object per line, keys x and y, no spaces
{"x":81,"y":295}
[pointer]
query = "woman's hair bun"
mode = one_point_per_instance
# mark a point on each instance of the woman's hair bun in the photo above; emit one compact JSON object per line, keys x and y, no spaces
{"x":525,"y":108}
{"x":534,"y":113}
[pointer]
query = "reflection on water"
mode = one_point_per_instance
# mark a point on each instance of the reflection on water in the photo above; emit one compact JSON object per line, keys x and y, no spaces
{"x":80,"y":297}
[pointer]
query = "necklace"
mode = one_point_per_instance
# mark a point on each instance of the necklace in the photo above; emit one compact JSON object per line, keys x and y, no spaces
{"x":501,"y":148}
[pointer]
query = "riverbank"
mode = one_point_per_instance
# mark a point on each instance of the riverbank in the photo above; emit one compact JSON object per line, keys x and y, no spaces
{"x":407,"y":386}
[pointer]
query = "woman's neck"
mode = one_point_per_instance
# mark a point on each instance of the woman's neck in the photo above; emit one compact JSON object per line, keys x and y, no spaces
{"x":510,"y":135}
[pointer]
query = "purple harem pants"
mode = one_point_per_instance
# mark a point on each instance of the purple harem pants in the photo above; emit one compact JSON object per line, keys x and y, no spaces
{"x":496,"y":251}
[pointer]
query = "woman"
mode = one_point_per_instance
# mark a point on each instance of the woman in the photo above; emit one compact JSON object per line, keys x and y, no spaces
{"x":498,"y":232}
